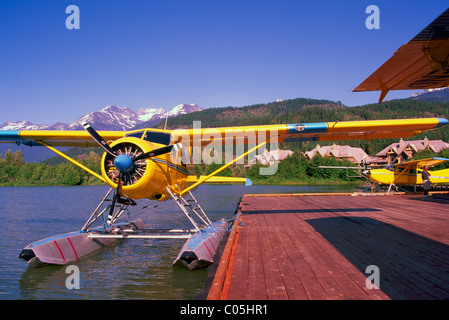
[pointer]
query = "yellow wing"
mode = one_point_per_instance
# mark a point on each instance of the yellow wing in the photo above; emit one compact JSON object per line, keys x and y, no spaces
{"x":320,"y":131}
{"x":430,"y":162}
{"x":56,"y":138}
{"x":422,"y":63}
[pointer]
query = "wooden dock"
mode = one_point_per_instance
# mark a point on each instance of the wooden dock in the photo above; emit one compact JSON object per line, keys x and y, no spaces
{"x":318,"y":247}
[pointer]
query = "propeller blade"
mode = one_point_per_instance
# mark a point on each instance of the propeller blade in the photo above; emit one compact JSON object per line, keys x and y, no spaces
{"x":94,"y":134}
{"x":114,"y":199}
{"x":157,"y":152}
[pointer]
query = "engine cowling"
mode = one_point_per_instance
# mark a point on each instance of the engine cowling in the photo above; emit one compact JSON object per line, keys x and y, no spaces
{"x":147,"y":178}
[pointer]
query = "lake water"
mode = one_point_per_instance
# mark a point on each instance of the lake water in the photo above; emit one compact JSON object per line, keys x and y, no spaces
{"x":132,"y":269}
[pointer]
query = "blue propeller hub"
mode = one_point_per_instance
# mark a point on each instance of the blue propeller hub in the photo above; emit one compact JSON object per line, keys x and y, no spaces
{"x":123,"y":163}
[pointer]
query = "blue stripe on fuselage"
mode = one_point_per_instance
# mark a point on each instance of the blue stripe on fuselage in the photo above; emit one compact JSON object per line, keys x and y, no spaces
{"x":171,"y":165}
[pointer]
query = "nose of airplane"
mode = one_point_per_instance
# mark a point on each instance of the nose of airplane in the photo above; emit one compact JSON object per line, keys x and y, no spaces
{"x":123,"y":163}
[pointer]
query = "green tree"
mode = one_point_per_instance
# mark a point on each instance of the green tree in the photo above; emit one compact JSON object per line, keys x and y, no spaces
{"x":9,"y":156}
{"x":18,"y":159}
{"x":66,"y":173}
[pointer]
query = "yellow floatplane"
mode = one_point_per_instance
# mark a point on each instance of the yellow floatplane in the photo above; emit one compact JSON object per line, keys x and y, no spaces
{"x":409,"y":173}
{"x":153,"y":164}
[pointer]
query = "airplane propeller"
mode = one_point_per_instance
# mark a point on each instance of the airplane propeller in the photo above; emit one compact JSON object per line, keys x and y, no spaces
{"x":94,"y":134}
{"x":123,"y":162}
{"x":157,"y":152}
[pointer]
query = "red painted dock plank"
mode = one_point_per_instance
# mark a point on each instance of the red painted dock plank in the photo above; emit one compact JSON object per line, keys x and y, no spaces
{"x":319,"y":247}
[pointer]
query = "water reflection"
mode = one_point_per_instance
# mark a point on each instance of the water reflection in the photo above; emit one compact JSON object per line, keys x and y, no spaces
{"x":133,"y":269}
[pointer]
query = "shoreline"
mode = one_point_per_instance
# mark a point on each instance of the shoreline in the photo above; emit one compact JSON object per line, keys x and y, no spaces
{"x":283,"y":183}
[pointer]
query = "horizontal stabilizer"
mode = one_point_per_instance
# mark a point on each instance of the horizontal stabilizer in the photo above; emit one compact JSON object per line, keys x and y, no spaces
{"x":220,"y":179}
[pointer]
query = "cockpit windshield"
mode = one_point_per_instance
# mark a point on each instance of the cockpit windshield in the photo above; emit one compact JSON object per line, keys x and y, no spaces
{"x":389,"y":167}
{"x":158,"y":137}
{"x":152,"y":136}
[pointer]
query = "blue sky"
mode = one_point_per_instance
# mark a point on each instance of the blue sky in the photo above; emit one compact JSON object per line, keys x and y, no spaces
{"x":142,"y":54}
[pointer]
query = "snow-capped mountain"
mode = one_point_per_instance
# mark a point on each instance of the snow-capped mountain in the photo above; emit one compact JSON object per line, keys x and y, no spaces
{"x":176,"y":111}
{"x":438,"y":94}
{"x":109,"y":118}
{"x":22,"y":125}
{"x":182,"y":109}
{"x":150,"y":113}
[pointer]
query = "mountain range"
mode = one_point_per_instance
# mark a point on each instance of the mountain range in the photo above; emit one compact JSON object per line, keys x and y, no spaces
{"x":439,"y":94}
{"x":110,"y":118}
{"x":123,"y":118}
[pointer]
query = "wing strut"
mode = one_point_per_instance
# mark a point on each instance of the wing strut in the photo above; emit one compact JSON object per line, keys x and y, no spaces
{"x":73,"y":161}
{"x":383,"y":95}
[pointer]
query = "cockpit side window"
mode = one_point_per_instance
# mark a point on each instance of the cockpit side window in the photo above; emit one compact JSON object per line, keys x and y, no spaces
{"x":158,"y":137}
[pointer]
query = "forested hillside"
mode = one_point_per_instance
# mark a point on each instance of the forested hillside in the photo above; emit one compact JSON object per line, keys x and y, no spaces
{"x":310,"y":110}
